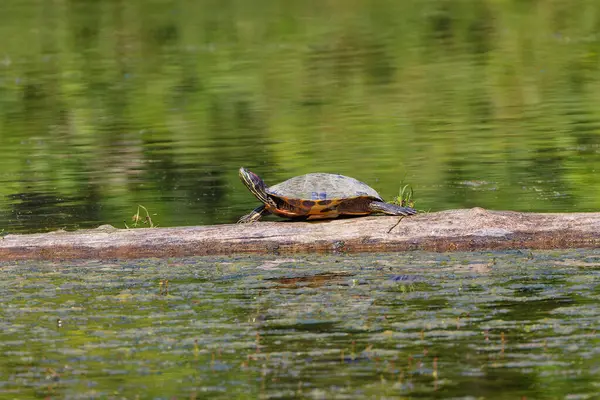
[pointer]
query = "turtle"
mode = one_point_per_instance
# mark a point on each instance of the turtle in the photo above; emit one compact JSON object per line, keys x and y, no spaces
{"x":316,"y":196}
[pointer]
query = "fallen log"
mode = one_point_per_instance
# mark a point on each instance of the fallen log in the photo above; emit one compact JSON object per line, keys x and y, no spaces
{"x":454,"y":230}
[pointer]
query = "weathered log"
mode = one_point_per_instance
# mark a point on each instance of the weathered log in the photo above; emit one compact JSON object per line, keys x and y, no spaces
{"x":455,"y":230}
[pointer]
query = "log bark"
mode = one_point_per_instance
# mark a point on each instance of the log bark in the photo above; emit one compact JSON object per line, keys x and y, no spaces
{"x":454,"y":230}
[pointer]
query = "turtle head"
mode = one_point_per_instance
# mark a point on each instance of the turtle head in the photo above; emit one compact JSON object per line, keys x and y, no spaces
{"x":255,"y":185}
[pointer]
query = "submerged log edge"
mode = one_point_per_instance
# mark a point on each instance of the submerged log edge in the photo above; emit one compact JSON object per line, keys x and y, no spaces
{"x":454,"y":230}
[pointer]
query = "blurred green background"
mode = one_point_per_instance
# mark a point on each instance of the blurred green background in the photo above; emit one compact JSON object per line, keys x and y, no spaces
{"x":105,"y":105}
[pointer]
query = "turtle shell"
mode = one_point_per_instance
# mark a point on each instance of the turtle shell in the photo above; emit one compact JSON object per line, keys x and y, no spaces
{"x":319,"y":186}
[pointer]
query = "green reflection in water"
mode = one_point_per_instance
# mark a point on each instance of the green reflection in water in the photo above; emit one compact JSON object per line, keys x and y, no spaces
{"x":420,"y":325}
{"x":108,"y":104}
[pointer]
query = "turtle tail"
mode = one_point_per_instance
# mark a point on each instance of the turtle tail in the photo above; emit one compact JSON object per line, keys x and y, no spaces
{"x":391,"y":209}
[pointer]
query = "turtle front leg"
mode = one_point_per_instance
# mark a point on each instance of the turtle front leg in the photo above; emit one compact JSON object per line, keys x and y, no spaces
{"x":390,"y":209}
{"x":255,"y":215}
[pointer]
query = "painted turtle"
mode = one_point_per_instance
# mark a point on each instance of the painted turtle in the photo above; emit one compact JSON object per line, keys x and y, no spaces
{"x":316,"y":196}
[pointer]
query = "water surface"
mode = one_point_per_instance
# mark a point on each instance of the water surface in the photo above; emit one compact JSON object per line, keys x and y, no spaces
{"x":105,"y":105}
{"x":420,"y":325}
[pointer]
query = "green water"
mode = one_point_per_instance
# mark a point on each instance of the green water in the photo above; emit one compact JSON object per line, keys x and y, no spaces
{"x":432,"y":326}
{"x":105,"y":105}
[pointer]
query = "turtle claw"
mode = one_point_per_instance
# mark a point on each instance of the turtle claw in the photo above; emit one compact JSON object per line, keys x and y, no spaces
{"x":246,"y":219}
{"x":254,"y":216}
